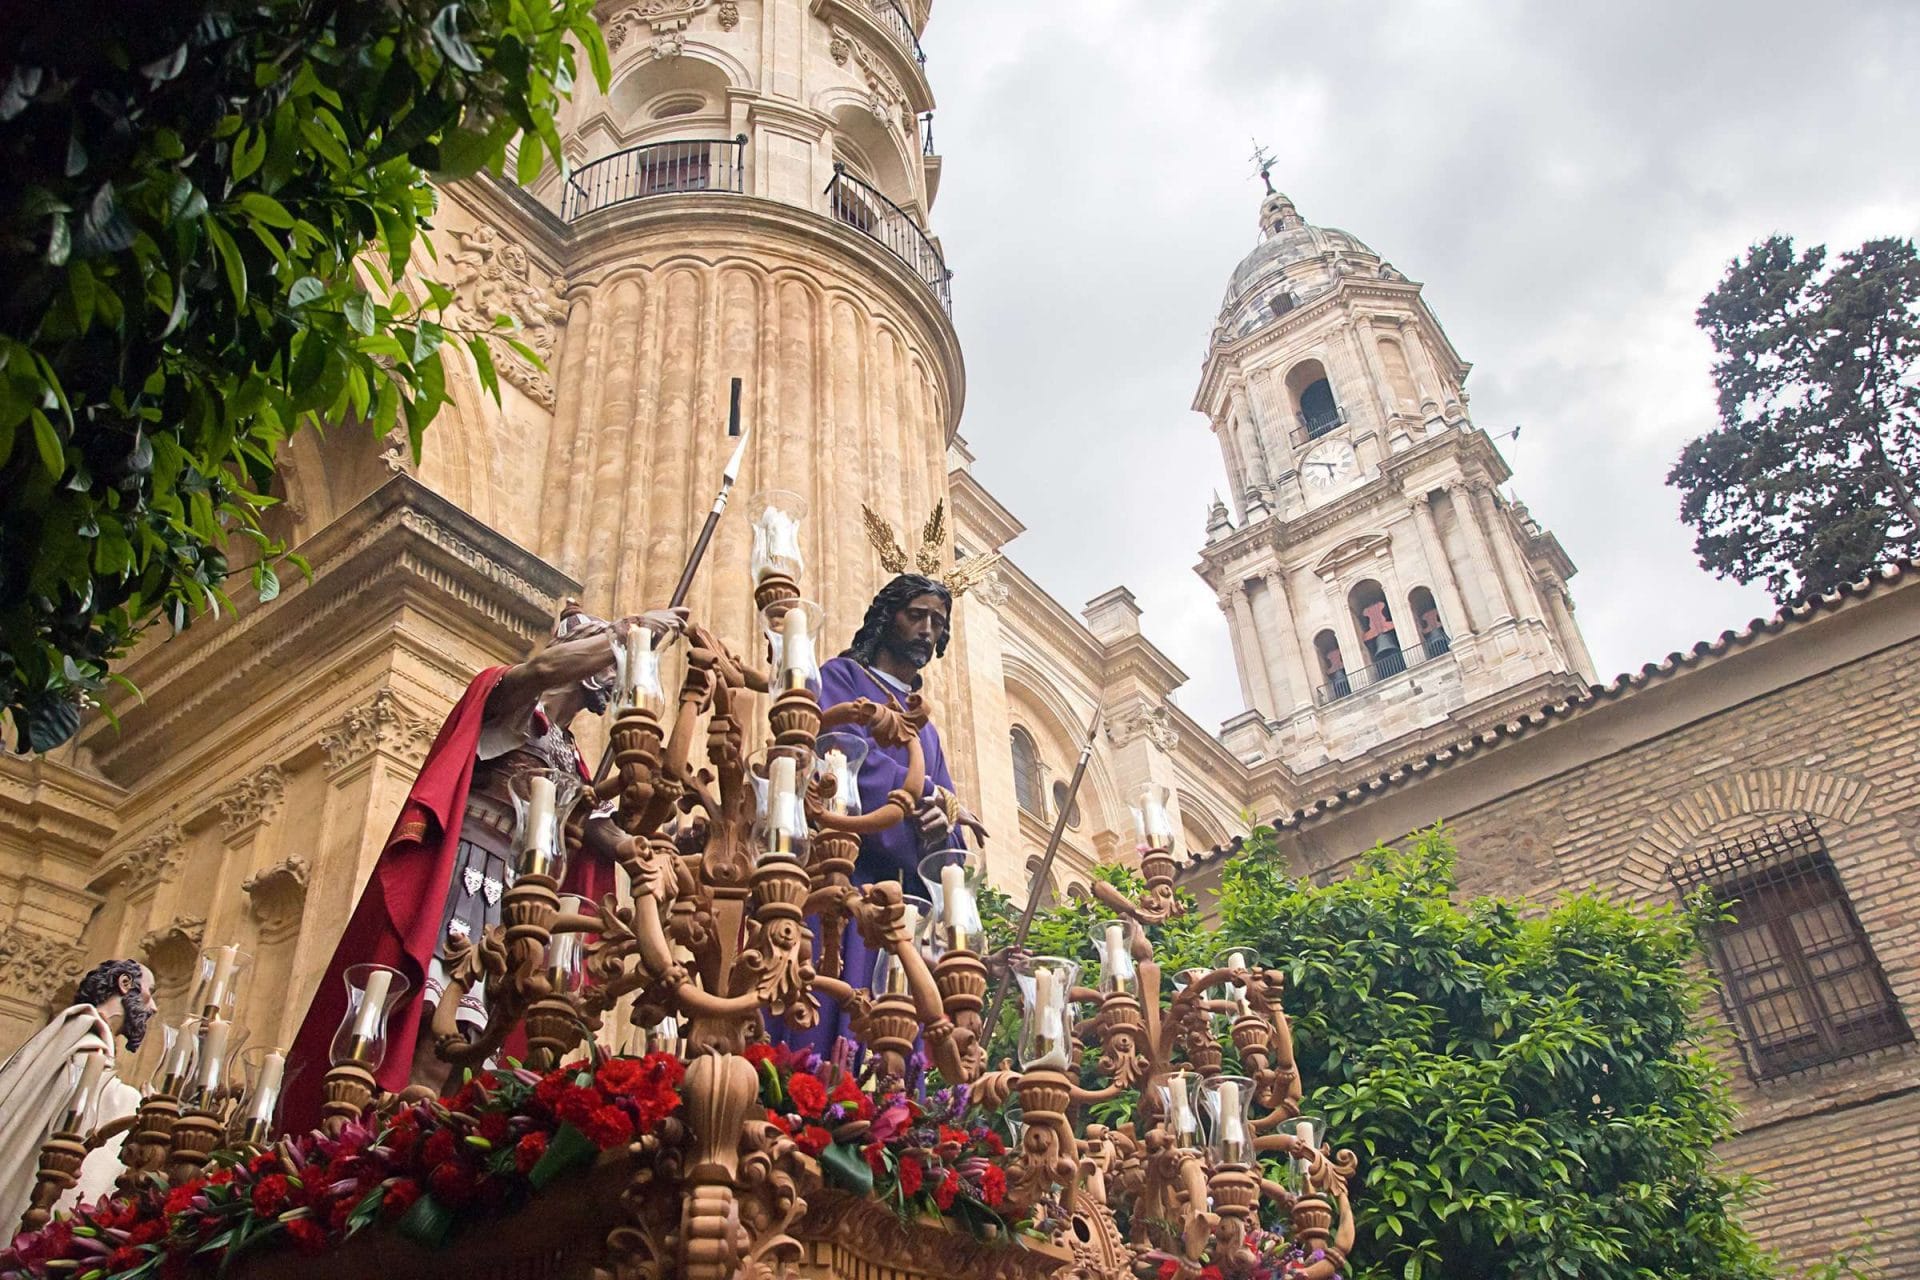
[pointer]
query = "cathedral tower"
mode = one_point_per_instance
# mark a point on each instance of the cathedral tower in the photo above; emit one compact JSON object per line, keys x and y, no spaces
{"x":1376,"y":584}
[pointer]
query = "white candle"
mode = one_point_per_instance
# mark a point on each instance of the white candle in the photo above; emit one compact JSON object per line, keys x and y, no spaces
{"x":910,"y":921}
{"x":540,"y":798}
{"x":224,"y":961}
{"x":953,"y":883}
{"x":373,"y":1000}
{"x":1233,"y":1133}
{"x":213,"y":1050}
{"x":842,"y":801}
{"x":1159,"y":825}
{"x":796,"y":648}
{"x":266,"y":1090}
{"x":1183,"y":1122}
{"x":1050,"y":1043}
{"x":1304,"y":1133}
{"x":779,"y":540}
{"x":781,"y":825}
{"x":93,"y":1065}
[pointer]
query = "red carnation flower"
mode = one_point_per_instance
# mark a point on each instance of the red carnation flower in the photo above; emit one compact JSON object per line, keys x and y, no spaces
{"x":451,"y":1185}
{"x":439,"y":1148}
{"x":608,"y":1127}
{"x":846,"y":1089}
{"x":875,"y":1154}
{"x":552,"y":1088}
{"x":180,"y":1199}
{"x":813,"y":1139}
{"x":148,"y":1232}
{"x":271,"y":1195}
{"x":993,"y":1185}
{"x":527,"y":1154}
{"x":758,"y":1053}
{"x":958,"y":1137}
{"x":621,"y":1075}
{"x":1210,"y":1273}
{"x":577,"y":1106}
{"x":667,"y":1069}
{"x":337,"y":1216}
{"x":949,"y":1188}
{"x":808,"y":1094}
{"x":308,"y":1236}
{"x":493,"y":1127}
{"x":221,"y":1177}
{"x":400,"y":1197}
{"x":125,"y":1258}
{"x":1169,"y":1269}
{"x":912,"y":1174}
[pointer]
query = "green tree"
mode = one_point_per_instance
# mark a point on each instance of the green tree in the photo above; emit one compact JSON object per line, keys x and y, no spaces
{"x":1527,"y":1093}
{"x":1809,"y":481}
{"x":207,"y":211}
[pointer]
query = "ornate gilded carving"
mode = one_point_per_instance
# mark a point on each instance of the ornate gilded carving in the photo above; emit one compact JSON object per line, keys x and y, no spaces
{"x":254,"y":801}
{"x":382,"y":723}
{"x":45,"y":970}
{"x":278,"y":896}
{"x":493,"y":277}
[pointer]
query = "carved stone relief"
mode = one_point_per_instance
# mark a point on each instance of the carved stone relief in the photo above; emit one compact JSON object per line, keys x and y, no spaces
{"x":156,"y":859}
{"x":278,"y":896}
{"x":1152,"y":723}
{"x":383,"y":722}
{"x":171,"y":950}
{"x":253,"y":801}
{"x":666,"y":19}
{"x":492,"y":277}
{"x":44,"y":970}
{"x":729,"y":14}
{"x":885,"y":98}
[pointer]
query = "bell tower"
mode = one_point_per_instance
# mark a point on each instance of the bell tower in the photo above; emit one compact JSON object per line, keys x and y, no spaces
{"x":1379,"y":589}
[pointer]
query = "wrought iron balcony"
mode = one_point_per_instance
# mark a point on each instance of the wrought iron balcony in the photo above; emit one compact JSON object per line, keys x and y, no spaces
{"x":1341,"y":684}
{"x":890,"y":15}
{"x":658,"y":168}
{"x":860,"y":206}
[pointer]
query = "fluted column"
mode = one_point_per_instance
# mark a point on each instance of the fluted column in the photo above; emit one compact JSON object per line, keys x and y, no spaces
{"x":1486,"y":569}
{"x":1298,"y":678}
{"x":1453,"y":610}
{"x":1560,"y":605}
{"x":1519,"y":581}
{"x":1253,"y":667}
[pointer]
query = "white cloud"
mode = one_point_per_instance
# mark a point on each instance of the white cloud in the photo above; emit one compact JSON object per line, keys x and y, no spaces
{"x":1568,"y":181}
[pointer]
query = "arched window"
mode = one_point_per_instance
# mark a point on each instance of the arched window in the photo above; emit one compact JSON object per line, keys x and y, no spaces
{"x":1312,"y":398}
{"x":1377,"y":632}
{"x":1332,"y":667}
{"x":1426,"y":617}
{"x":1027,"y":789}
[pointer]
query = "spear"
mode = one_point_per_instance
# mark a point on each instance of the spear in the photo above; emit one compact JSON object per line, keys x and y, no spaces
{"x":700,"y":544}
{"x":1046,"y":864}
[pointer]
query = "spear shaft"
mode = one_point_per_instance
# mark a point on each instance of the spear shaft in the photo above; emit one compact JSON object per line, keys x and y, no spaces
{"x":1046,"y":865}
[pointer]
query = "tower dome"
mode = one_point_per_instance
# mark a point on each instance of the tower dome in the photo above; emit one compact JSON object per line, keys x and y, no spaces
{"x":1294,"y":261}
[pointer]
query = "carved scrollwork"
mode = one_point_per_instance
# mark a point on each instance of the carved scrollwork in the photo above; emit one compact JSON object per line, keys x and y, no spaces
{"x":44,"y":970}
{"x":492,"y":277}
{"x":255,"y":801}
{"x":382,"y":723}
{"x":170,"y":951}
{"x":278,"y":896}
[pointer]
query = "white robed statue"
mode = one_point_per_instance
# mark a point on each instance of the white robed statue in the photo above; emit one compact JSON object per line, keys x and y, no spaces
{"x":39,"y":1082}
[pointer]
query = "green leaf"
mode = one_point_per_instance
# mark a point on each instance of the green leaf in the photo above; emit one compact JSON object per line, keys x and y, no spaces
{"x":844,"y":1167}
{"x":266,"y":581}
{"x":59,"y":240}
{"x":483,"y":363}
{"x":230,"y":261}
{"x":359,"y":312}
{"x":452,"y":45}
{"x":250,"y":148}
{"x":47,"y":440}
{"x":305,"y":290}
{"x":264,"y":208}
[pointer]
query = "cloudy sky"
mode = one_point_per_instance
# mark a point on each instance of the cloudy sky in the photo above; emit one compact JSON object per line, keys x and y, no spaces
{"x":1567,"y":180}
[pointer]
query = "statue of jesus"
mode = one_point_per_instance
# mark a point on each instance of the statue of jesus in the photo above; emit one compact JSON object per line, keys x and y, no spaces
{"x":113,"y":1002}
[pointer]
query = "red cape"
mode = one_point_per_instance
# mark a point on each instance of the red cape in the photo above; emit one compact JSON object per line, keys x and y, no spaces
{"x":397,"y":920}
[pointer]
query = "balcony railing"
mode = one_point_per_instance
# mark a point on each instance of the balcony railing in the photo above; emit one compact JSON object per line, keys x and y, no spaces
{"x":1318,"y":424}
{"x":1353,"y":679}
{"x":891,"y":16}
{"x":861,"y":207}
{"x":658,"y":168}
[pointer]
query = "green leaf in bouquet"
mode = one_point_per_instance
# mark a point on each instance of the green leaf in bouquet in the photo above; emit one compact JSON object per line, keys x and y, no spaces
{"x":428,"y":1222}
{"x":567,"y":1149}
{"x":846,"y":1168}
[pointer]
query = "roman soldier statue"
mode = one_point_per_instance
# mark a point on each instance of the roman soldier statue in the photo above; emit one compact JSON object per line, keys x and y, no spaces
{"x":38,"y":1084}
{"x":448,"y":862}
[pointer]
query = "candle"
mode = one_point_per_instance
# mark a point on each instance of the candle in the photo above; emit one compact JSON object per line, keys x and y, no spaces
{"x":953,"y":883}
{"x":895,"y":983}
{"x":1154,"y":817}
{"x":1233,"y":1133}
{"x":779,"y":537}
{"x":637,"y":653}
{"x":224,"y":961}
{"x":843,"y":793}
{"x":93,"y":1065}
{"x":539,"y":837}
{"x":266,"y":1091}
{"x":1184,"y":1125}
{"x":213,"y":1052}
{"x":796,"y":649}
{"x":1116,"y":967}
{"x":781,"y":827}
{"x":1050,"y":1042}
{"x":181,"y":1043}
{"x":373,"y":1002}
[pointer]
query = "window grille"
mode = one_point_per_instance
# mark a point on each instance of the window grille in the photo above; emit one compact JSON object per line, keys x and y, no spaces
{"x":1026,"y":775}
{"x":1798,"y":975}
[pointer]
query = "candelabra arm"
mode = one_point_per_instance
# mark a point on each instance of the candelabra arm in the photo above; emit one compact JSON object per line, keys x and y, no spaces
{"x":112,"y":1129}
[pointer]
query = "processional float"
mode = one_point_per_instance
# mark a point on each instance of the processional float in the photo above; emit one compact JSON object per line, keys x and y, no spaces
{"x":739,"y":885}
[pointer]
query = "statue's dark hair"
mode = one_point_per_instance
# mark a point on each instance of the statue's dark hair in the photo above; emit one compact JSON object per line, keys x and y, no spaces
{"x":102,"y":984}
{"x":892,"y":598}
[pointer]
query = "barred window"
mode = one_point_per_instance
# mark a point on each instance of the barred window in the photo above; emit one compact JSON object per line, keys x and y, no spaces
{"x":1797,"y":973}
{"x":1027,"y":788}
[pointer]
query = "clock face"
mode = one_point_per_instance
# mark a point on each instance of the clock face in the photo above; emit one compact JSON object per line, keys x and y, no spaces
{"x":1329,"y":465}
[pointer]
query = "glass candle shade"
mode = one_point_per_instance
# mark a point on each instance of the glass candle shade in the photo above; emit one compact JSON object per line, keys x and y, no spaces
{"x":780,"y":812}
{"x":775,"y":515}
{"x":1046,"y":1012}
{"x":956,"y":910}
{"x":86,"y":1071}
{"x":792,"y":628}
{"x":217,"y":976}
{"x":567,"y":954}
{"x":1151,"y":821}
{"x":1177,"y":1092}
{"x":542,"y":799}
{"x":1312,"y":1131}
{"x":1113,"y":942}
{"x":889,"y":975}
{"x":213,"y":1083}
{"x":179,"y":1055}
{"x":261,"y":1075}
{"x":1240,"y":960}
{"x":1227,"y":1102}
{"x":839,"y":756}
{"x":373,"y":991}
{"x":636,"y":672}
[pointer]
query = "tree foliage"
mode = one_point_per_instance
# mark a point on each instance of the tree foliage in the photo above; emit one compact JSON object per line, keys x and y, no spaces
{"x":1809,"y":481}
{"x":207,"y":209}
{"x":1527,"y":1093}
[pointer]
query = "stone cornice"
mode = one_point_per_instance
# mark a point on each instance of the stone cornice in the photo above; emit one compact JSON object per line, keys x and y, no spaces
{"x":1225,"y":361}
{"x":403,"y":547}
{"x":1137,"y":657}
{"x":975,"y":508}
{"x":58,"y":808}
{"x":1030,"y":609}
{"x":685,"y":223}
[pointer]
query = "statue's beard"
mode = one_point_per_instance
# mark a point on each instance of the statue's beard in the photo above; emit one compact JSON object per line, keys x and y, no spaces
{"x":916,"y":653}
{"x":597,"y":695}
{"x":133,"y":1024}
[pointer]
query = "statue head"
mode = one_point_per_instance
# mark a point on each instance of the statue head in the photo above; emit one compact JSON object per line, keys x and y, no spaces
{"x":123,"y":988}
{"x":908,"y":621}
{"x":575,"y":623}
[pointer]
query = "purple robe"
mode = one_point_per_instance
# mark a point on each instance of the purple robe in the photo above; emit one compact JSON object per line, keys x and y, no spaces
{"x":894,"y":854}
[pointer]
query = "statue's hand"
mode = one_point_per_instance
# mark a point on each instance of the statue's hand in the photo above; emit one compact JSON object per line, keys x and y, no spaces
{"x":936,"y":832}
{"x":662,"y":622}
{"x":963,"y":818}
